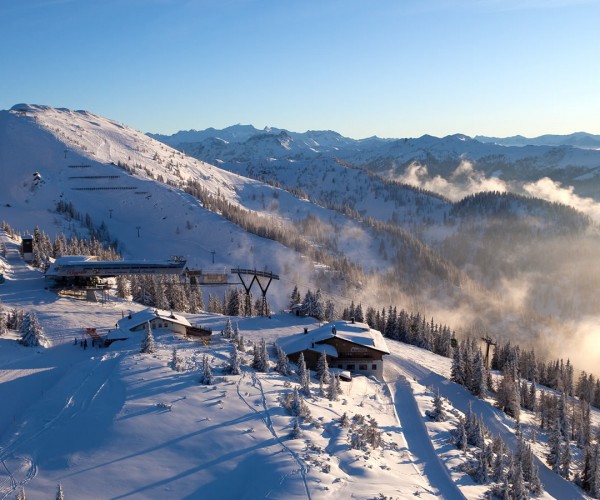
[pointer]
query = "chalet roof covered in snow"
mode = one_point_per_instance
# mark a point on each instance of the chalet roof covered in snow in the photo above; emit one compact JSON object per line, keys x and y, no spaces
{"x":139,"y":318}
{"x":357,"y":333}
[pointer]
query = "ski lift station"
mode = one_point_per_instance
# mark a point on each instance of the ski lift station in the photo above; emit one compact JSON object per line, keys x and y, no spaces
{"x":86,"y":270}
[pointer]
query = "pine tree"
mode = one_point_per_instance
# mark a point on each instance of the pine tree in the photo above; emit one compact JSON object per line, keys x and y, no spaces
{"x":518,"y":490}
{"x":260,"y":361}
{"x":330,"y":311}
{"x":234,"y":363}
{"x":303,"y":375}
{"x":283,"y":365}
{"x":228,"y":330}
{"x":176,"y":361}
{"x":323,"y":369}
{"x":457,"y":372}
{"x":295,"y":296}
{"x":241,"y":344}
{"x":332,"y":393}
{"x":32,"y":333}
{"x":460,"y":436}
{"x":438,"y":414}
{"x":555,"y":449}
{"x":299,"y":408}
{"x":60,"y":494}
{"x":479,"y":376}
{"x":147,"y":346}
{"x":206,"y":376}
{"x":565,"y":461}
{"x":21,"y":494}
{"x":508,"y":397}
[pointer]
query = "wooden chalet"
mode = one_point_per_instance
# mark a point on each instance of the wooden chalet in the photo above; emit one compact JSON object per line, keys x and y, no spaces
{"x":350,"y":346}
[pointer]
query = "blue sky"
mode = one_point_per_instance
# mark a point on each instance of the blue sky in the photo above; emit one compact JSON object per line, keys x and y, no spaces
{"x":392,"y":68}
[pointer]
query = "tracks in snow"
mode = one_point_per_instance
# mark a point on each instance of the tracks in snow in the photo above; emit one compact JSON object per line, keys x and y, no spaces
{"x":266,"y":419}
{"x":76,"y":401}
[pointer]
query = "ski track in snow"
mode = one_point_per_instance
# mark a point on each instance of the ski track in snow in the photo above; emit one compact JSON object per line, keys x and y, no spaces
{"x":266,"y":419}
{"x":495,"y":421}
{"x":75,"y":402}
{"x":416,"y":435}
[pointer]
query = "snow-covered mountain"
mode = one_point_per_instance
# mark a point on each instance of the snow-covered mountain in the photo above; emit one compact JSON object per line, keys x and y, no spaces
{"x":503,"y":262}
{"x":578,"y":139}
{"x":115,"y":423}
{"x":571,"y":160}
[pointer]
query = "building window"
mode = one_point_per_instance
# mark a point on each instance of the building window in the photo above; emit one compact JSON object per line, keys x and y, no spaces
{"x":340,"y":366}
{"x":362,"y":367}
{"x":350,"y":367}
{"x":373,"y":367}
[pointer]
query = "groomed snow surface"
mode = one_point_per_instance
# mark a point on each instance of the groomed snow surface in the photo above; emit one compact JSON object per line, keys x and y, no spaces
{"x":114,"y":423}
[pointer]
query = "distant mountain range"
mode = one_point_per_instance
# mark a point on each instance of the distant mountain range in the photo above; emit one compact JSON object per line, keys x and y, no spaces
{"x":571,"y":160}
{"x":578,"y":140}
{"x":438,"y":225}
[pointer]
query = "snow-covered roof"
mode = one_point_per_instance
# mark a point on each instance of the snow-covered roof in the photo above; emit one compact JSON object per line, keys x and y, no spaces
{"x":357,"y":333}
{"x":141,"y":317}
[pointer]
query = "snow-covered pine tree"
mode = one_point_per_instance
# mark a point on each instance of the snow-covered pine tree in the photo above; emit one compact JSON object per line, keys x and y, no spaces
{"x":479,"y":376}
{"x":295,"y":296}
{"x":308,"y":304}
{"x":319,"y":305}
{"x":299,"y":408}
{"x":21,"y":494}
{"x":437,"y":414}
{"x":236,"y":332}
{"x":332,"y":394}
{"x":323,"y":369}
{"x":508,"y":397}
{"x":241,"y":343}
{"x":260,"y":361}
{"x":234,"y":363}
{"x":283,"y":364}
{"x":460,"y":435}
{"x":60,"y":494}
{"x":147,"y":346}
{"x":206,"y":375}
{"x":457,"y":371}
{"x":555,"y":447}
{"x":518,"y":490}
{"x":176,"y":362}
{"x":32,"y":333}
{"x":123,"y":290}
{"x":303,"y":375}
{"x":338,"y":384}
{"x":228,"y":330}
{"x":482,"y":468}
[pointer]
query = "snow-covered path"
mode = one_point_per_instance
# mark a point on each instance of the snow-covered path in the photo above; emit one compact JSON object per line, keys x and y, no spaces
{"x":416,"y":435}
{"x":496,"y":421}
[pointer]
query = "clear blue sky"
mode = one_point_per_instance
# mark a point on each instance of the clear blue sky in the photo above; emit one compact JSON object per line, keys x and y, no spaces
{"x":392,"y":68}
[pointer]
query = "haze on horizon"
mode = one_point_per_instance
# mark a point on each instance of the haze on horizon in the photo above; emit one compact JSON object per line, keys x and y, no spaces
{"x":388,"y":69}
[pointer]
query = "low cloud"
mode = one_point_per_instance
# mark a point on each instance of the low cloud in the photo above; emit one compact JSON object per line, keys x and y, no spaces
{"x":550,"y":190}
{"x":464,"y":180}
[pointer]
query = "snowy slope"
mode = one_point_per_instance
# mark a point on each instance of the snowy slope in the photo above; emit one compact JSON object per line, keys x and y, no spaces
{"x":113,"y":423}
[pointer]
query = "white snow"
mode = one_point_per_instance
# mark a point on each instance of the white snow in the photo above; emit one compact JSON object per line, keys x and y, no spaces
{"x":114,"y":423}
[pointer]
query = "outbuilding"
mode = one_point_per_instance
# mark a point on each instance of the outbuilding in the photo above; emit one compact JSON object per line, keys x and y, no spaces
{"x":350,"y":346}
{"x":159,"y":319}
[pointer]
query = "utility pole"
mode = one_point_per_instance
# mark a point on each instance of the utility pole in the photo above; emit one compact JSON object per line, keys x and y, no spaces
{"x":489,"y":341}
{"x":138,"y":230}
{"x":213,"y":256}
{"x":66,"y":151}
{"x":110,"y":212}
